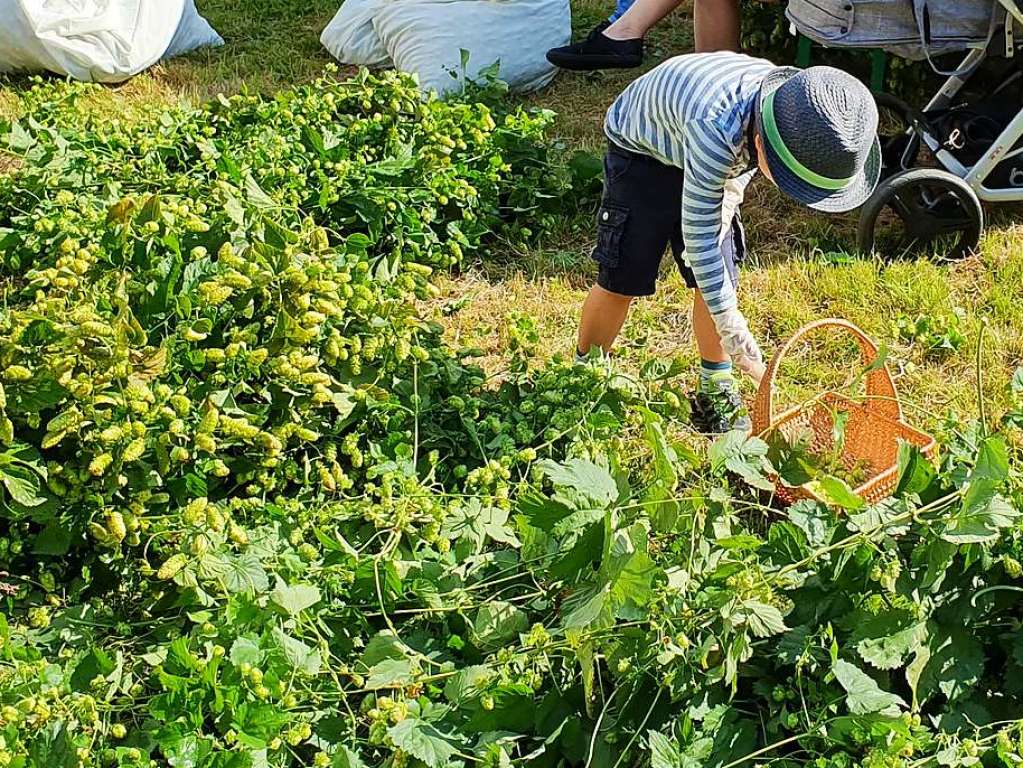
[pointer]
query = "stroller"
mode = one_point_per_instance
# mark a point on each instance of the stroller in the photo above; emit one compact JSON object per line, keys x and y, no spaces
{"x":976,"y":144}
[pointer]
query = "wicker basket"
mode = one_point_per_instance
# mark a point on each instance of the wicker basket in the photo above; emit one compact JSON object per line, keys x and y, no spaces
{"x":872,"y":433}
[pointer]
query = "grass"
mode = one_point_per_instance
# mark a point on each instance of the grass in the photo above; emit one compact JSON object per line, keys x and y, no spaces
{"x":797,"y":271}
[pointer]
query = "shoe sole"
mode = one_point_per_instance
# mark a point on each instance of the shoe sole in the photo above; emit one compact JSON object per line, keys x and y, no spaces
{"x":592,"y":63}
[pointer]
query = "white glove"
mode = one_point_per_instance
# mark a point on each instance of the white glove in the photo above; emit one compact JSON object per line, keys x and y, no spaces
{"x":739,"y":342}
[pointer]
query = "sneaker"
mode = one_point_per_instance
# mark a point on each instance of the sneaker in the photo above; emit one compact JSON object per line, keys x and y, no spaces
{"x":720,"y":409}
{"x":598,"y":51}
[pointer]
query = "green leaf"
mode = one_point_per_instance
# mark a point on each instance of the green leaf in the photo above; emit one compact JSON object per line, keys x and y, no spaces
{"x":296,"y":598}
{"x":915,"y":670}
{"x":184,"y":750}
{"x":245,"y":650}
{"x":54,"y":540}
{"x":863,"y":695}
{"x":837,"y":493}
{"x":658,"y":498}
{"x":890,"y":516}
{"x":498,"y":622}
{"x":587,"y":549}
{"x":586,"y":166}
{"x":743,"y":456}
{"x":813,"y":520}
{"x":256,"y":196}
{"x":18,"y":139}
{"x":382,"y":645}
{"x":245,"y":573}
{"x":467,"y":683}
{"x":751,"y":464}
{"x":763,"y":619}
{"x":540,"y":511}
{"x":888,"y":639}
{"x":300,"y":656}
{"x":916,"y":472}
{"x":725,"y":447}
{"x":52,"y":747}
{"x":389,"y":673}
{"x":1017,"y":381}
{"x":663,"y":751}
{"x":476,"y":524}
{"x":584,"y":606}
{"x":586,"y":480}
{"x":980,"y":522}
{"x":346,"y":758}
{"x":23,"y":485}
{"x":955,"y":665}
{"x":992,"y":461}
{"x":423,"y":741}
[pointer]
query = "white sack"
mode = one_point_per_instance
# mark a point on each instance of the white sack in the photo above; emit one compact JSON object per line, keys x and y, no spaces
{"x":194,"y":32}
{"x":351,"y":38}
{"x":104,"y":41}
{"x":426,"y":37}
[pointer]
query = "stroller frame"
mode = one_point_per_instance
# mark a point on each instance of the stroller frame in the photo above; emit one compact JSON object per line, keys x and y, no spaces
{"x":934,"y":202}
{"x":976,"y":176}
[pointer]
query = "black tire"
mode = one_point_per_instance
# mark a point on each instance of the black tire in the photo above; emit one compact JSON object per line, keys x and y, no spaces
{"x":938,"y":213}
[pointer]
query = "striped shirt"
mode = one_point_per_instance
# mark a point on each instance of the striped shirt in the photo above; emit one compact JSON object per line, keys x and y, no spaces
{"x":694,"y":112}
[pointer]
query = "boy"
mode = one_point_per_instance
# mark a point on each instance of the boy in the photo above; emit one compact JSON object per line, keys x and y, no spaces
{"x":684,"y":140}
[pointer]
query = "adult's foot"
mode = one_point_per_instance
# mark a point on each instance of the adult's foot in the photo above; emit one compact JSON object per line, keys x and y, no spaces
{"x":598,"y":51}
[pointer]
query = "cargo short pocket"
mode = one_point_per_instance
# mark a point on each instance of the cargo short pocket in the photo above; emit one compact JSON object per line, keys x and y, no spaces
{"x":610,"y":228}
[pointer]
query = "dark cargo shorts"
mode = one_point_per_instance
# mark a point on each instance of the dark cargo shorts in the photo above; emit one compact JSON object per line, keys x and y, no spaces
{"x":639,"y":216}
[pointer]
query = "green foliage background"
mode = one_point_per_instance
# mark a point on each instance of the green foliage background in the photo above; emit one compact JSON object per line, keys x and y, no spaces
{"x":257,"y":511}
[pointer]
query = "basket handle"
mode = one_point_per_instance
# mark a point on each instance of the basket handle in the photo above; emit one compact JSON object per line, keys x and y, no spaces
{"x":881,"y":394}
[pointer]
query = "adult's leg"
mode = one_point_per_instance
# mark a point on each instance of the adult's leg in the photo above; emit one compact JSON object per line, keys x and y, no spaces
{"x":716,"y":22}
{"x":716,"y":25}
{"x":621,"y":9}
{"x":604,"y":314}
{"x":639,"y":17}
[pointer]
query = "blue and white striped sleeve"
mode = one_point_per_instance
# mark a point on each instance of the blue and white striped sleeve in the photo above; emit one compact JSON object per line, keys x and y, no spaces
{"x":709,"y":158}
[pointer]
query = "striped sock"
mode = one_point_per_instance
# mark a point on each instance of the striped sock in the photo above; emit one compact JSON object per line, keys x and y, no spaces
{"x":715,"y":376}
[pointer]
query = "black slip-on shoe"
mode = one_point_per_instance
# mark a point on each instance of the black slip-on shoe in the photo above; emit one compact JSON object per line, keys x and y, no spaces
{"x":598,"y":51}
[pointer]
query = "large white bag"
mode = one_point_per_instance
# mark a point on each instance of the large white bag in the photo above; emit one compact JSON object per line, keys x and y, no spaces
{"x":426,"y":37}
{"x":351,"y":38}
{"x":104,"y":41}
{"x":194,"y":32}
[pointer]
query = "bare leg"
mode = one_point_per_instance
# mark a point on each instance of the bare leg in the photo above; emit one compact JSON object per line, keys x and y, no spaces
{"x":716,"y":22}
{"x":716,"y":25}
{"x":604,"y":314}
{"x":640,"y":19}
{"x":707,"y":339}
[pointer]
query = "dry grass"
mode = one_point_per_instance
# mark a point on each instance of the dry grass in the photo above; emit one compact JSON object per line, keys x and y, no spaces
{"x":797,"y":271}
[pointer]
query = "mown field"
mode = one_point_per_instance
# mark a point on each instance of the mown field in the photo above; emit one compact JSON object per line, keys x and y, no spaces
{"x":296,"y":468}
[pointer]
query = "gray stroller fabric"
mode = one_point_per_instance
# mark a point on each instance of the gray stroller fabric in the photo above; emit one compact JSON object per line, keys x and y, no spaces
{"x":911,"y":29}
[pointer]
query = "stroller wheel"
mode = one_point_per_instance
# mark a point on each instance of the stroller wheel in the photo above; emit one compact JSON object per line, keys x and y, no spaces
{"x":921,"y":212}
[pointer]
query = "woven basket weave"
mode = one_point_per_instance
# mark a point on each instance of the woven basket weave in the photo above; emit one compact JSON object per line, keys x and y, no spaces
{"x":872,"y":433}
